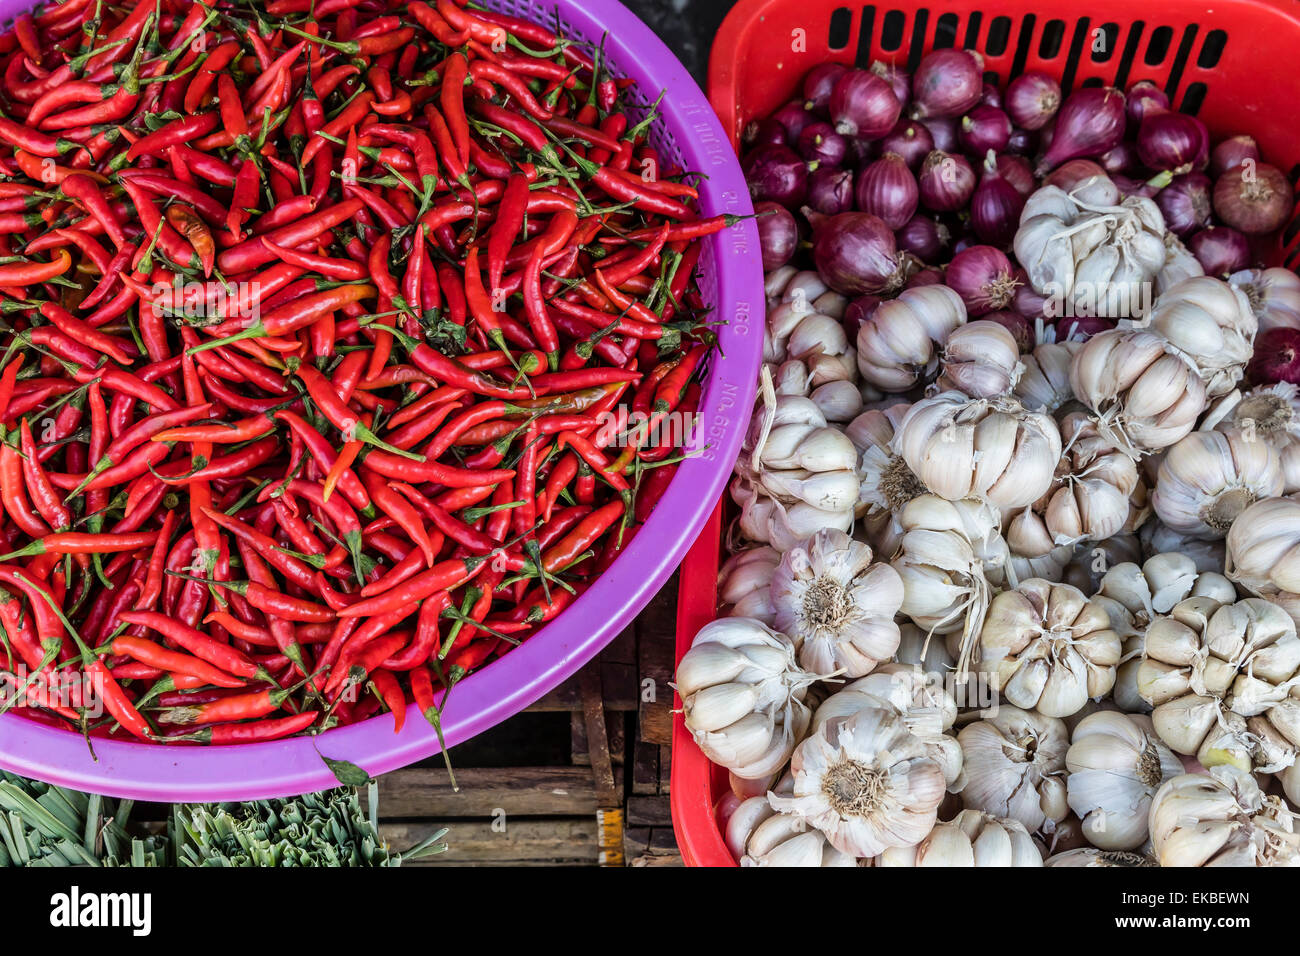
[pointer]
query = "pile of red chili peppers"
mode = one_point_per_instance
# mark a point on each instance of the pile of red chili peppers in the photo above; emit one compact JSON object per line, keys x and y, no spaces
{"x":334,"y":335}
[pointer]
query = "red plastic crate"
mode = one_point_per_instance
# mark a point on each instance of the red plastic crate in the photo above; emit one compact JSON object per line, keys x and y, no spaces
{"x":1234,"y":65}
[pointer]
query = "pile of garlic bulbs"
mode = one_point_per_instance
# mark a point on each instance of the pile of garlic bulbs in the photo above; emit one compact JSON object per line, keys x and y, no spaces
{"x":988,"y":606}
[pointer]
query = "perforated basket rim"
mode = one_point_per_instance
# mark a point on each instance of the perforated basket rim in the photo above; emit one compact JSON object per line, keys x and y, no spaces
{"x":527,"y":672}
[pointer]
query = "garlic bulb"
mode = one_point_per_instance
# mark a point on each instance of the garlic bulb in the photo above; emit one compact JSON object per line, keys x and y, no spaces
{"x":1089,"y":856}
{"x":798,"y":330}
{"x":1092,"y":559}
{"x":1290,"y":778}
{"x":1045,"y":384}
{"x":885,"y":483}
{"x":1158,"y":538}
{"x":1208,"y":478}
{"x":1096,"y":483}
{"x":1015,"y":764}
{"x":1088,"y":254}
{"x":840,"y":400}
{"x":1264,"y":552}
{"x":867,"y":782}
{"x":1210,"y":324}
{"x":1221,"y":818}
{"x":917,"y":649}
{"x":836,"y":605}
{"x":950,"y":555}
{"x":921,"y":698}
{"x":1033,"y":552}
{"x":1273,"y":294}
{"x":992,"y":449}
{"x":981,"y":360}
{"x":742,"y":695}
{"x":1146,"y":397}
{"x":1220,"y":678}
{"x":972,"y":838}
{"x":1116,"y":763}
{"x":759,"y":836}
{"x":745,"y":583}
{"x":776,"y":281}
{"x":898,"y":346}
{"x":1179,"y":264}
{"x":1270,"y":413}
{"x":1046,"y":646}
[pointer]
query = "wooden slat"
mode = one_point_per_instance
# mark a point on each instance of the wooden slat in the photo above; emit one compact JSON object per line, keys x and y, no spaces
{"x":521,"y":843}
{"x":655,"y":644}
{"x":519,"y":791}
{"x":649,"y":812}
{"x":645,"y":768}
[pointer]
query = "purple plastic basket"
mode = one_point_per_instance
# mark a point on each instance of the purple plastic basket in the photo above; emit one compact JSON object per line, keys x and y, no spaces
{"x":688,"y":134}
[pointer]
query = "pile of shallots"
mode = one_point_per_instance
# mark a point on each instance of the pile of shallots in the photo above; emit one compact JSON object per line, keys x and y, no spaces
{"x":1015,"y":567}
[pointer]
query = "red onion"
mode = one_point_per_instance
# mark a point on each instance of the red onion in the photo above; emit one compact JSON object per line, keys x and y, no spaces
{"x":930,"y":275}
{"x":1185,"y":204}
{"x":982,"y":276}
{"x":1221,"y":250}
{"x":946,"y":182}
{"x":1173,"y":141}
{"x":1068,"y":175}
{"x":1129,"y":186}
{"x":1144,"y":98}
{"x":1080,"y":328}
{"x":1122,"y":159}
{"x":776,"y":173}
{"x":766,"y":132}
{"x":1277,"y":358}
{"x":990,"y":95}
{"x":855,"y":254}
{"x":1233,"y":151}
{"x":1023,"y":142}
{"x":995,"y":207}
{"x":778,"y":234}
{"x":943,"y":132}
{"x":863,"y":105}
{"x":1026,"y":301}
{"x":909,"y":139}
{"x":857,"y":312}
{"x":887,"y":189}
{"x":820,"y":143}
{"x":924,"y":238}
{"x":830,"y":190}
{"x":1253,"y":197}
{"x":1090,"y":122}
{"x":947,"y":83}
{"x":1016,"y":324}
{"x":1032,"y":99}
{"x":898,"y":79}
{"x":818,"y":83}
{"x":1017,"y":171}
{"x":984,"y":128}
{"x":794,"y":118}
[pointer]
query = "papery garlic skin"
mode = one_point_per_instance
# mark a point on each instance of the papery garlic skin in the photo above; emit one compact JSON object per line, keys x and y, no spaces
{"x":1179,"y":265}
{"x":1047,"y":647}
{"x":885,"y":482}
{"x":745,"y":583}
{"x":1269,"y":413}
{"x":1221,"y":818}
{"x":1147,"y":398}
{"x":837,"y":605}
{"x":899,"y":345}
{"x":866,"y":782}
{"x":1014,"y":765}
{"x":972,"y":838}
{"x":1093,"y":559}
{"x":1095,"y":485}
{"x":1116,"y":763}
{"x":1209,"y":477}
{"x":782,"y":839}
{"x":742,"y":695}
{"x":976,"y":448}
{"x":981,"y":359}
{"x":1263,"y":552}
{"x":1220,"y":678}
{"x":1273,"y":294}
{"x":1044,"y":386}
{"x":1159,"y":538}
{"x":1033,"y":552}
{"x":949,"y":558}
{"x":1209,"y":323}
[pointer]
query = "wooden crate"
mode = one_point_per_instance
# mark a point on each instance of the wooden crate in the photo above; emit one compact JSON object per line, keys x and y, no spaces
{"x":579,"y":778}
